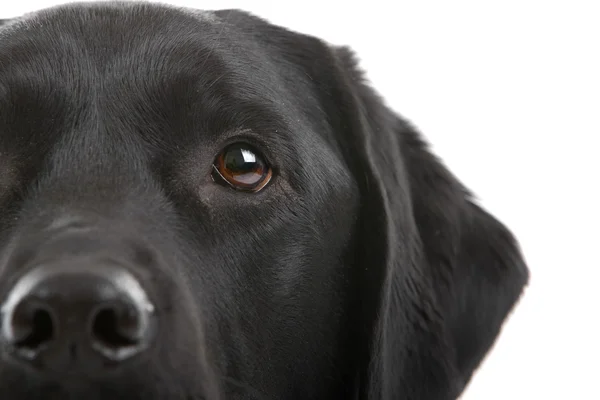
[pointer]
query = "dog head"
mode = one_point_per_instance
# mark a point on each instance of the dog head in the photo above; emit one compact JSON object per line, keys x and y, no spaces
{"x":203,"y":205}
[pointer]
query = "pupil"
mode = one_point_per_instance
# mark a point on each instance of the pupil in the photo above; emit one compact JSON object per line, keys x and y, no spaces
{"x":244,"y":167}
{"x":240,"y":161}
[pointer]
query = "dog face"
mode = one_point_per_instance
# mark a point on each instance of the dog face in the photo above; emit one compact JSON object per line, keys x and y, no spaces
{"x":207,"y":206}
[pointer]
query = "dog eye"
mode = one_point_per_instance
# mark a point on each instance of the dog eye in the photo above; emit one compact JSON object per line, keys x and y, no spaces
{"x":242,"y":168}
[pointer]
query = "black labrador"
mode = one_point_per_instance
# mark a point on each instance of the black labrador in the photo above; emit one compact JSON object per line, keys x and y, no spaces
{"x":202,"y":205}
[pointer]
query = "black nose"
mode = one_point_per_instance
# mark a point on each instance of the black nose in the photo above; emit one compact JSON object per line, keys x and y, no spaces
{"x":72,"y":317}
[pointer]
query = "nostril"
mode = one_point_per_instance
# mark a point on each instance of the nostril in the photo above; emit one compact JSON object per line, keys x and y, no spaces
{"x":32,"y":328}
{"x":102,"y":313}
{"x":115,"y":328}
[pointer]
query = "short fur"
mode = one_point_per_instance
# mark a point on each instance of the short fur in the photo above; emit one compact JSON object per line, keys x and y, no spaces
{"x":365,"y":270}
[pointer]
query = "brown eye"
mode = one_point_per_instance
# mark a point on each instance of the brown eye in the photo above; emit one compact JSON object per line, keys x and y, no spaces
{"x":242,"y":168}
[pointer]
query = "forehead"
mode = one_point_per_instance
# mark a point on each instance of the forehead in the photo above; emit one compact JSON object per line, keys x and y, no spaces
{"x":131,"y":67}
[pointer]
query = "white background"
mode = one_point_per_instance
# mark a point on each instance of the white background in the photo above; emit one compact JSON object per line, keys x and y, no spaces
{"x":508,"y":92}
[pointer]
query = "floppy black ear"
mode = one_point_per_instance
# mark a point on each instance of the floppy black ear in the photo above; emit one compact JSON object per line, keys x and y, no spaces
{"x":447,"y":271}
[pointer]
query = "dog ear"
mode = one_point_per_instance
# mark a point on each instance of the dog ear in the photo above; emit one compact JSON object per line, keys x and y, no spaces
{"x":435,"y":275}
{"x":451,"y":272}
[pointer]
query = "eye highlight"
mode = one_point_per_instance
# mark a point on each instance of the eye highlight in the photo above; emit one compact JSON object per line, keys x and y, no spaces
{"x":242,"y":167}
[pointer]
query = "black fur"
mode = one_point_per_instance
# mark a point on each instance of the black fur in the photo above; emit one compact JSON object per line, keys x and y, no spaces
{"x":365,"y":270}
